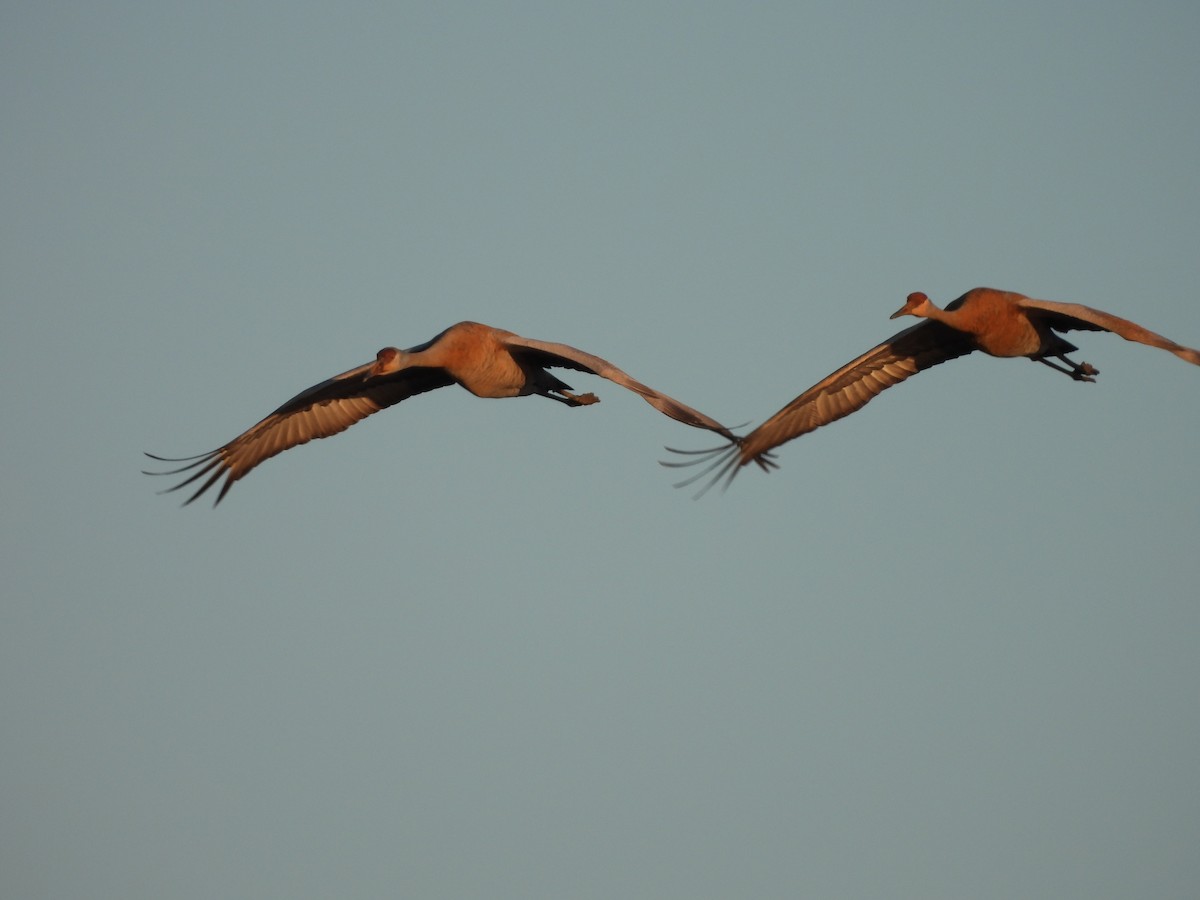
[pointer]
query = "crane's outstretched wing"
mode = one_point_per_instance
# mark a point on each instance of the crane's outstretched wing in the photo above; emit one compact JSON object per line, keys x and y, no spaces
{"x":1077,"y":317}
{"x":320,"y":411}
{"x":546,"y":353}
{"x":840,"y":393}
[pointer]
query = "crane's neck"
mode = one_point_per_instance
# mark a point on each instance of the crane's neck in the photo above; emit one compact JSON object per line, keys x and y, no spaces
{"x":929,"y":310}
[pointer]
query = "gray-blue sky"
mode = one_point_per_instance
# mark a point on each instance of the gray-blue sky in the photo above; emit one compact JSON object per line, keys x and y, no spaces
{"x":482,"y":648}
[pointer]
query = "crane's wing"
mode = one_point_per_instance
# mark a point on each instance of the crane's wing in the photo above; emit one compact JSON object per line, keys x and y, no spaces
{"x":1077,"y":317}
{"x":840,"y":393}
{"x":320,"y":411}
{"x":545,"y":353}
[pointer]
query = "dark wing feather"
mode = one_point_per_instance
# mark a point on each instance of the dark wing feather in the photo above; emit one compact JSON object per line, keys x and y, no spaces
{"x":546,"y":353}
{"x":1077,"y":317}
{"x":320,"y":411}
{"x":847,"y":390}
{"x":855,"y":384}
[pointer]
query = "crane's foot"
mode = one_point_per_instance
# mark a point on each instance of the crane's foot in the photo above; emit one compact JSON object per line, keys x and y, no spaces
{"x":1078,"y":371}
{"x":580,"y":399}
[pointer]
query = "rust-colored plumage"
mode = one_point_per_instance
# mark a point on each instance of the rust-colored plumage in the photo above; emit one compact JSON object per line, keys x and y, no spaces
{"x":1000,"y":323}
{"x":488,"y":362}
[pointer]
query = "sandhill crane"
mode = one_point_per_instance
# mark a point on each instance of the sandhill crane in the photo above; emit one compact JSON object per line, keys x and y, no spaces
{"x":1000,"y":323}
{"x":488,"y":362}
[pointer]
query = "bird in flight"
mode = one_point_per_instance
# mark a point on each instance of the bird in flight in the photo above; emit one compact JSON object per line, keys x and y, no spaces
{"x":488,"y":362}
{"x":1000,"y":323}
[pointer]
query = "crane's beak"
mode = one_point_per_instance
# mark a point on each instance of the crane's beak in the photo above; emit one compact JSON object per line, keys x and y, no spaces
{"x":902,"y":311}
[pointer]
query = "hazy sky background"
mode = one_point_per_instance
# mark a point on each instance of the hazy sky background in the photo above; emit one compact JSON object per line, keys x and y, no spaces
{"x":483,"y":649}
